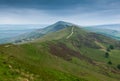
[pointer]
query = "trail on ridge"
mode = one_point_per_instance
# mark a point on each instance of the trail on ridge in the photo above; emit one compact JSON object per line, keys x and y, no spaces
{"x":70,"y":33}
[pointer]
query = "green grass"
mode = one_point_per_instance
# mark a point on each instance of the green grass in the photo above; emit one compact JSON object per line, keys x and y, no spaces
{"x":115,"y":57}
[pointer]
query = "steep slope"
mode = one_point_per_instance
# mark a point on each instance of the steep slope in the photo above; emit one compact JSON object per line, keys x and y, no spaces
{"x":70,"y":54}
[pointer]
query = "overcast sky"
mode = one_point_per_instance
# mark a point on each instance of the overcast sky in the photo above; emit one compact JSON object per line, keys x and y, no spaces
{"x":82,"y":12}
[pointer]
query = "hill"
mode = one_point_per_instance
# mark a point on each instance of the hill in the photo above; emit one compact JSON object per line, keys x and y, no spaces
{"x":108,"y":26}
{"x":40,"y":32}
{"x":68,"y":54}
{"x":112,"y":31}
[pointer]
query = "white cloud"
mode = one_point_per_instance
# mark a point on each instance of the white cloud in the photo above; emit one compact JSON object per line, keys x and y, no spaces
{"x":34,"y":16}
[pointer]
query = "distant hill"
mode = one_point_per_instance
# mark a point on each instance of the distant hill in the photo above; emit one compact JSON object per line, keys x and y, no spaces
{"x":108,"y":26}
{"x":66,"y":53}
{"x":9,"y":31}
{"x":112,"y":31}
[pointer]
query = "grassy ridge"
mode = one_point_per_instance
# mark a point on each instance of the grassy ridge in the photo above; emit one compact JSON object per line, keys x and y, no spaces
{"x":35,"y":62}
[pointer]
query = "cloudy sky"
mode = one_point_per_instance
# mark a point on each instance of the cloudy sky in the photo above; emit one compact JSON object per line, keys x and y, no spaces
{"x":82,"y":12}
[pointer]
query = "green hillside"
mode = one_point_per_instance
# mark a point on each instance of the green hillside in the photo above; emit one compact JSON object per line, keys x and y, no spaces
{"x":69,"y":54}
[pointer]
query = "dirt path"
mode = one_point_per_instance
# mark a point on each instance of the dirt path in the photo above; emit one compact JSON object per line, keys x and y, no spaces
{"x":70,"y":33}
{"x":102,"y":47}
